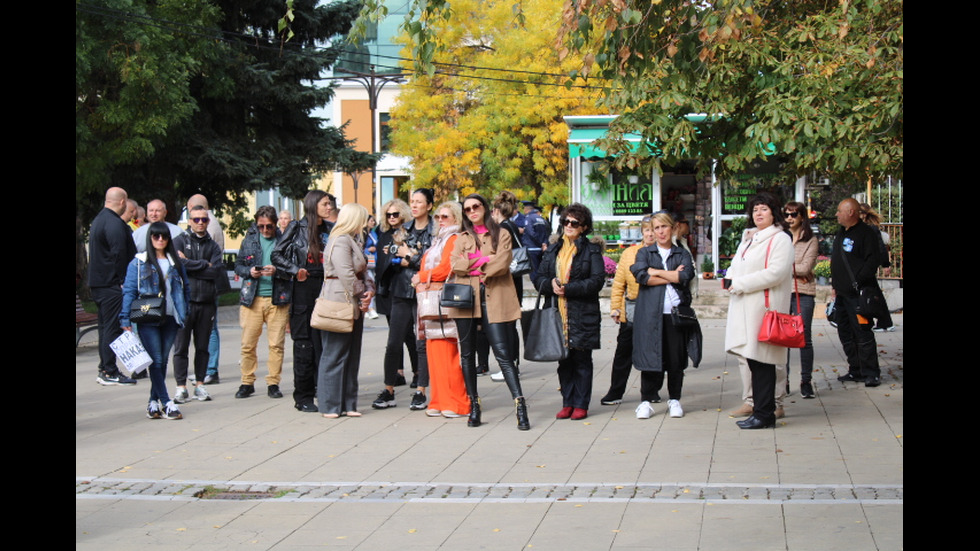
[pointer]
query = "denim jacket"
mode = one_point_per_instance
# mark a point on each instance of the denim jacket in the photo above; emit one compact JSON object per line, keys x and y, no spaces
{"x":149,"y":284}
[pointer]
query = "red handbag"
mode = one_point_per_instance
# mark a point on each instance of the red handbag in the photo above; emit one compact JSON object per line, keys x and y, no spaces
{"x":782,"y":329}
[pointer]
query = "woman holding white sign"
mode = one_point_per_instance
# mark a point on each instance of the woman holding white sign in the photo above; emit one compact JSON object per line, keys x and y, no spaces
{"x":166,"y":301}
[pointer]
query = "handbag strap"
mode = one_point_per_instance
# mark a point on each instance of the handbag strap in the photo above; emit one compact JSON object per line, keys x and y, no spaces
{"x":796,"y":287}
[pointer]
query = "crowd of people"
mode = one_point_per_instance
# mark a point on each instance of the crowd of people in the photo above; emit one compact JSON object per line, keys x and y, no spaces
{"x":163,"y":282}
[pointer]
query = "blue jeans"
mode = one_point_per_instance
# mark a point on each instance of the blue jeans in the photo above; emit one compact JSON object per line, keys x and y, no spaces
{"x":158,"y":340}
{"x":214,"y":344}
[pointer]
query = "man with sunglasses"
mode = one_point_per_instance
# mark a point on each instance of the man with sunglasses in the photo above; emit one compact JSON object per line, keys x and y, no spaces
{"x":202,"y":259}
{"x":265,"y":300}
{"x":223,"y":286}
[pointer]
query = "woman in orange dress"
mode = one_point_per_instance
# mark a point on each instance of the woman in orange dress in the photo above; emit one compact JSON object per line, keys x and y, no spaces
{"x":447,"y":388}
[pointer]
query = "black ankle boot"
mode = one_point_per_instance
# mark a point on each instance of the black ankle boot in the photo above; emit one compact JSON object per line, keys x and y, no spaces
{"x":522,"y":422}
{"x":474,"y":420}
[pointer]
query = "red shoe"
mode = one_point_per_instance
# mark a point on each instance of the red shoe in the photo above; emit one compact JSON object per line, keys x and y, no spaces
{"x":565,"y":413}
{"x":579,"y":413}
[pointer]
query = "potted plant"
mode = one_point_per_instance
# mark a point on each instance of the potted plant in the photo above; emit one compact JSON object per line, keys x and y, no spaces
{"x":822,"y":271}
{"x":598,"y":177}
{"x":707,"y":268}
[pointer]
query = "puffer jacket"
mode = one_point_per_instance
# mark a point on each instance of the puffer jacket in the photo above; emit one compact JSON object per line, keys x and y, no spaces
{"x":143,"y":279}
{"x":588,"y":275}
{"x":249,"y":256}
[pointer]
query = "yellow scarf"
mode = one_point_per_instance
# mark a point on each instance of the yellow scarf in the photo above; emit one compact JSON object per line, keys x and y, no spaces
{"x":563,"y":268}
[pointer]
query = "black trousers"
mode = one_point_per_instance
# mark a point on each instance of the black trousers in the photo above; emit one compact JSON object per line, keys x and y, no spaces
{"x":575,"y":378}
{"x":109,"y":302}
{"x":763,"y":390}
{"x":197,"y":326}
{"x":499,"y":337}
{"x":857,"y":339}
{"x":307,"y":344}
{"x":673,"y":353}
{"x":622,"y":361}
{"x":402,"y":332}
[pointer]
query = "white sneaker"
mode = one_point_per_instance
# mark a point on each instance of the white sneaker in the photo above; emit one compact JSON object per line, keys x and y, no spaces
{"x":371,"y":314}
{"x":170,"y":411}
{"x":181,"y":396}
{"x":201,"y":394}
{"x":675,"y":408}
{"x":497,"y":377}
{"x":644,"y":410}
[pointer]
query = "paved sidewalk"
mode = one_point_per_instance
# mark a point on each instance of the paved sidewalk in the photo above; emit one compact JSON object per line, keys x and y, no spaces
{"x":256,"y":473}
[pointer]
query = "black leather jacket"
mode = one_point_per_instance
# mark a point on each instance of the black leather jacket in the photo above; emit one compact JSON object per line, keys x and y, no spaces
{"x":393,"y":279}
{"x":251,"y":255}
{"x":291,"y":252}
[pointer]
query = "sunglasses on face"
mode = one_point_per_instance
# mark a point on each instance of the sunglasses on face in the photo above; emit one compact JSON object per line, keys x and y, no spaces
{"x":200,"y":220}
{"x":266,"y":226}
{"x":160,"y":237}
{"x":393,"y":214}
{"x":473,"y":208}
{"x":570,"y":222}
{"x":442,"y":216}
{"x":789,"y":214}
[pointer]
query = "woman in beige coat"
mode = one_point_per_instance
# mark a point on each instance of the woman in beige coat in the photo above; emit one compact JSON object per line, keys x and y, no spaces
{"x":481,"y":258}
{"x":344,"y":279}
{"x":763,"y":262}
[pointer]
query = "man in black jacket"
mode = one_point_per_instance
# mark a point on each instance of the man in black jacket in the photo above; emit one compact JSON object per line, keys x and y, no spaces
{"x":855,"y":259}
{"x":110,"y":250}
{"x":202,"y":259}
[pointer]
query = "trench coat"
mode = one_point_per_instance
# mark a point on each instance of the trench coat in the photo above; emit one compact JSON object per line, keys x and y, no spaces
{"x":648,"y":325}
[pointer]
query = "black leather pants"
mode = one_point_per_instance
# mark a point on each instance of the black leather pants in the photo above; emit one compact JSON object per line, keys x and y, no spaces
{"x":498,"y":335}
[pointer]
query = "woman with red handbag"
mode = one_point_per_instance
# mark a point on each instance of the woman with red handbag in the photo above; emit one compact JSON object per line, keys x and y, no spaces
{"x":761,"y":279}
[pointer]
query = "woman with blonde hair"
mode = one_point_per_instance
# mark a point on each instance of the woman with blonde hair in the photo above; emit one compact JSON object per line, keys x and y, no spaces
{"x":663,"y":271}
{"x":622,"y":309}
{"x":448,"y":388}
{"x":344,"y":279}
{"x":396,"y":299}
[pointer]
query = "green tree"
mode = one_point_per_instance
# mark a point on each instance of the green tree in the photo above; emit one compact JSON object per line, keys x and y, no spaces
{"x":177,"y":97}
{"x":132,"y":81}
{"x":490,"y":116}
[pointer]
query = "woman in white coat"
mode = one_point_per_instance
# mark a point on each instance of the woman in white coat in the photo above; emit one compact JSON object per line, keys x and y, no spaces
{"x":763,"y":262}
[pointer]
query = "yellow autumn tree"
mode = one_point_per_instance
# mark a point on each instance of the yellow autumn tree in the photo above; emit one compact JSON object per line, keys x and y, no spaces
{"x":490,"y":116}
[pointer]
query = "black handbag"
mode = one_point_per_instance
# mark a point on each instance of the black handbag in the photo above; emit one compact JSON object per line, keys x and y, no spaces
{"x":520,"y":263}
{"x":544,"y":335}
{"x":683,"y":316}
{"x":457,"y":295}
{"x":871,"y":301}
{"x":147,"y":309}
